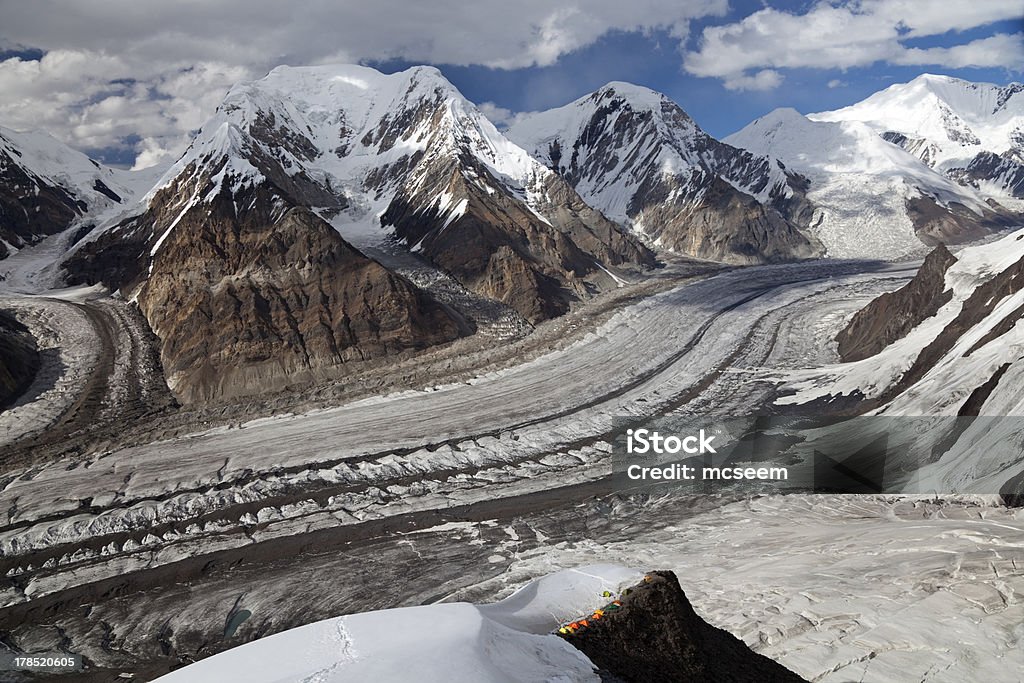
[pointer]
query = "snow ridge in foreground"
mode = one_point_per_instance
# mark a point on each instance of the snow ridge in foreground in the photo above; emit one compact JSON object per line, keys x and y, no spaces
{"x":507,"y":640}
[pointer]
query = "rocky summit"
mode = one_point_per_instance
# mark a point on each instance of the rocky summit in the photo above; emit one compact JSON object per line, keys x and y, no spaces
{"x":638,"y":157}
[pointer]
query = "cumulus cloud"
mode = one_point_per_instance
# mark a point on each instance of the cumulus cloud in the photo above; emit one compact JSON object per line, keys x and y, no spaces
{"x":993,"y":51}
{"x":765,"y":79}
{"x":852,"y":33}
{"x":121,"y":72}
{"x":501,"y":117}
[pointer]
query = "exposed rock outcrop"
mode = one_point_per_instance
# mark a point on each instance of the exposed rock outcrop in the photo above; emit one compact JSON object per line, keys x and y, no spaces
{"x":657,"y":637}
{"x":955,"y":223}
{"x":19,"y":359}
{"x":45,"y":186}
{"x":893,"y":314}
{"x":497,"y":246}
{"x":30,"y":208}
{"x":248,"y":293}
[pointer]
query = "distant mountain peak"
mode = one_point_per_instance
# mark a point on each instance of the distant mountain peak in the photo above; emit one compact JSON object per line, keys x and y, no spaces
{"x":919,"y":161}
{"x":970,"y":132}
{"x":637,"y":156}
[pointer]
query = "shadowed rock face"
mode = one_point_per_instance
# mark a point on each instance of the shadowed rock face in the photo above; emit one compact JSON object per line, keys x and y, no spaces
{"x":29,"y":208}
{"x":501,"y":249}
{"x":1007,"y":169}
{"x":19,"y":360}
{"x":656,"y":637}
{"x":956,"y":224}
{"x":892,"y":315}
{"x":725,"y":225}
{"x":242,"y":304}
{"x":251,"y":299}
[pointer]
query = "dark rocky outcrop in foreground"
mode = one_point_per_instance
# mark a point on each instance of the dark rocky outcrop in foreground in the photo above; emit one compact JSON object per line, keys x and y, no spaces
{"x":1012,"y":492}
{"x":19,"y":360}
{"x":656,"y":637}
{"x":892,"y":315}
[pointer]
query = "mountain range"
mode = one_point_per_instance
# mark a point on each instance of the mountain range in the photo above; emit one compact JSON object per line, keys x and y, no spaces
{"x":933,"y":160}
{"x":249,"y":255}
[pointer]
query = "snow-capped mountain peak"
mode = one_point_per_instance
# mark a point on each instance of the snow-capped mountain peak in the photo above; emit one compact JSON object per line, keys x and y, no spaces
{"x":638,"y":157}
{"x":318,"y":160}
{"x":970,"y":132}
{"x":46,"y":187}
{"x":873,"y":196}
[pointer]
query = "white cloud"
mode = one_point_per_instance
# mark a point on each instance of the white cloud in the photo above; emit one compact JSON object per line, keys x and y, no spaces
{"x":95,"y":100}
{"x":997,"y":50}
{"x":501,"y":117}
{"x":836,"y":83}
{"x":852,"y":33}
{"x":766,"y":79}
{"x":187,"y":55}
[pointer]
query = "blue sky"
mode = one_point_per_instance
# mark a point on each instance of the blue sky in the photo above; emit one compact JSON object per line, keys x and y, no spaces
{"x":130,"y":84}
{"x":652,"y":59}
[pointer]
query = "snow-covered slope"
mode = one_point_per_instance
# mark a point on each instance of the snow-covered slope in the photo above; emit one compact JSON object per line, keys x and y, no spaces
{"x":45,"y":186}
{"x":972,"y":132}
{"x":964,"y":361}
{"x":510,"y":640}
{"x":637,"y":156}
{"x":873,"y":199}
{"x":968,"y":339}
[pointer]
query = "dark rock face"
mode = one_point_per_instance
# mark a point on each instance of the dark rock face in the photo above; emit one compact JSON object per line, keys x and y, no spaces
{"x":242,"y":303}
{"x":1012,"y":492}
{"x":1006,"y":169}
{"x":892,"y":315}
{"x":978,"y":306}
{"x":726,"y":225}
{"x":250,"y":299}
{"x":656,"y":637}
{"x":922,"y":148}
{"x":19,"y":360}
{"x":501,"y":249}
{"x":31,"y":209}
{"x":955,"y":223}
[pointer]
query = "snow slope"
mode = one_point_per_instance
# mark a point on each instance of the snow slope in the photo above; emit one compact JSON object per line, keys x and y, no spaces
{"x":97,"y":192}
{"x":509,"y":640}
{"x":980,"y":359}
{"x":55,"y":163}
{"x":860,"y":182}
{"x":946,"y":122}
{"x":950,"y":380}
